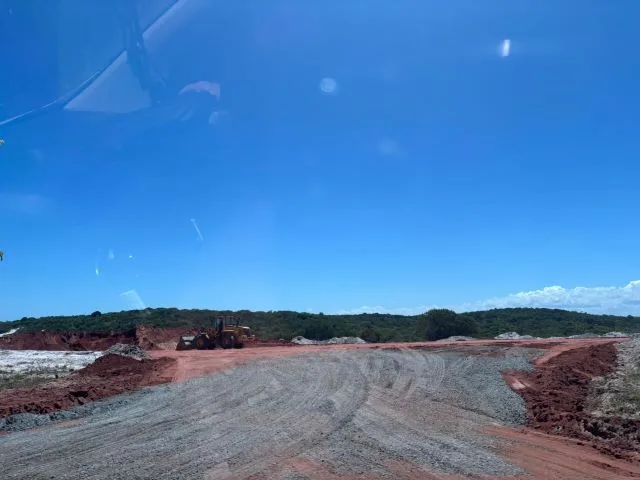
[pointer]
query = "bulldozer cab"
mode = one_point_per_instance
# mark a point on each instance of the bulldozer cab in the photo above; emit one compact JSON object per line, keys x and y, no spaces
{"x":230,"y":326}
{"x":226,"y":324}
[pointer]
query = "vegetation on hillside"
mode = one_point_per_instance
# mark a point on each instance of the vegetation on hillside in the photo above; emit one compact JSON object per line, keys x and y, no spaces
{"x":441,"y":323}
{"x":274,"y":325}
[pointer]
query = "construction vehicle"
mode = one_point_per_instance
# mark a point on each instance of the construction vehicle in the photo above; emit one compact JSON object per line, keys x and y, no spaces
{"x":226,"y":333}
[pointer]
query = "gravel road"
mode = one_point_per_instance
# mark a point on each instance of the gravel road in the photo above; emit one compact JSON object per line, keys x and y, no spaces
{"x":325,"y":414}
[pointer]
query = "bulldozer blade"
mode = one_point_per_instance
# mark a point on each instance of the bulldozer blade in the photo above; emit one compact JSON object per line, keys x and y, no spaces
{"x":186,"y":343}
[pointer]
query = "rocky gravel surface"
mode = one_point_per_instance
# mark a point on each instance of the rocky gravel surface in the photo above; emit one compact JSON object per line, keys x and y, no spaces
{"x":328,"y":414}
{"x":25,"y":421}
{"x":619,"y":393}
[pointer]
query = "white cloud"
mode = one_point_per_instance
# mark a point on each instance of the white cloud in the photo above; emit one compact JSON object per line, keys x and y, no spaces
{"x":133,"y":300}
{"x":111,"y":255}
{"x":624,"y":300}
{"x":616,"y":300}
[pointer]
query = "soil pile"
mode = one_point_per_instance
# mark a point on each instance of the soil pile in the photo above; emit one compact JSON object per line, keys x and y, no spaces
{"x":155,"y":338}
{"x":556,"y":395}
{"x":145,"y":336}
{"x":77,"y":341}
{"x":108,"y":375}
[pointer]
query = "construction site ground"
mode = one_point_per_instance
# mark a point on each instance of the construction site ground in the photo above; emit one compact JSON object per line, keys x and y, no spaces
{"x":475,"y":409}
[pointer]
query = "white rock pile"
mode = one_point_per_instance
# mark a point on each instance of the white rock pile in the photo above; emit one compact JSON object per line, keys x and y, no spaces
{"x":125,"y":350}
{"x":513,"y":336}
{"x":615,"y":335}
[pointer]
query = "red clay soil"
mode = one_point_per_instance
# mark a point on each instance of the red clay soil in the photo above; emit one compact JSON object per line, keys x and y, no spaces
{"x":556,"y":394}
{"x":145,"y":336}
{"x":547,"y":457}
{"x":156,"y":338}
{"x":108,"y":375}
{"x":79,"y":341}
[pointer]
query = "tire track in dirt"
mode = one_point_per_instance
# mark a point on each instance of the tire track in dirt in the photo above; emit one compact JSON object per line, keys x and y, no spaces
{"x":355,"y":412}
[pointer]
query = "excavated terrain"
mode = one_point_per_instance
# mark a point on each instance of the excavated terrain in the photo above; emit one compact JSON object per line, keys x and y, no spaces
{"x":558,"y":394}
{"x":430,"y":411}
{"x":53,"y":341}
{"x":323,"y":414}
{"x":109,"y":375}
{"x":145,"y":336}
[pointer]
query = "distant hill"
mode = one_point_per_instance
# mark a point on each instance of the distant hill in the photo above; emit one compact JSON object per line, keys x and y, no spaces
{"x":273,"y":325}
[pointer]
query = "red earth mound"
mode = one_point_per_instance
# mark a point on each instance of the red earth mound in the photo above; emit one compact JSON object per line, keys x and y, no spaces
{"x":79,"y":341}
{"x":146,"y":336}
{"x":155,"y":338}
{"x":556,"y":394}
{"x":107,"y":376}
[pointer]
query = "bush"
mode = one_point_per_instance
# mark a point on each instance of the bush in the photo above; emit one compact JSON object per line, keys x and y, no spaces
{"x":441,"y":323}
{"x":370,"y":335}
{"x":319,"y":331}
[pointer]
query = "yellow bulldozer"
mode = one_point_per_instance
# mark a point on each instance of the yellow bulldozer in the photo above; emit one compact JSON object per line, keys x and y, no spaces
{"x":226,"y":333}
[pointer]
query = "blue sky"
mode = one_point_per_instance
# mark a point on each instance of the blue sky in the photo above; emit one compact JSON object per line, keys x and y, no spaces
{"x":435,"y":171}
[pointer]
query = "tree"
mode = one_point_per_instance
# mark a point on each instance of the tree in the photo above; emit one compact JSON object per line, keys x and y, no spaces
{"x":319,"y":331}
{"x":440,"y":323}
{"x":370,"y":335}
{"x":97,"y":313}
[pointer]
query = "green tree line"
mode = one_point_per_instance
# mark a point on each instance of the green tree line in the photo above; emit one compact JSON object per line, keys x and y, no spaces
{"x":274,"y":325}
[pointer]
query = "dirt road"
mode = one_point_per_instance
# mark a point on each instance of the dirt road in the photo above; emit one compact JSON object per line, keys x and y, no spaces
{"x":323,"y":414}
{"x":193,"y":363}
{"x":403,"y":411}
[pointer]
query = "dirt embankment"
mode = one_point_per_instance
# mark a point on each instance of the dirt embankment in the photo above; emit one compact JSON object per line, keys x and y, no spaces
{"x":155,"y":338}
{"x":77,"y":341}
{"x":107,"y":376}
{"x":557,"y":393}
{"x":145,"y":336}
